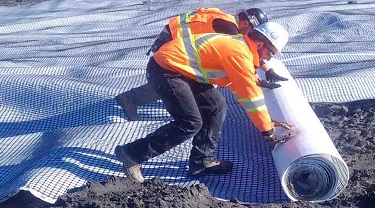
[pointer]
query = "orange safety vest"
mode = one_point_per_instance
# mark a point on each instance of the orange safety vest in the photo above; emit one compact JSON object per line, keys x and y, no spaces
{"x":222,"y":60}
{"x":197,"y":22}
{"x":200,"y":22}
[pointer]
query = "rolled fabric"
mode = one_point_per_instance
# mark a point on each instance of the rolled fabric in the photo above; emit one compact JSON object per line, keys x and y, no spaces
{"x":309,"y":165}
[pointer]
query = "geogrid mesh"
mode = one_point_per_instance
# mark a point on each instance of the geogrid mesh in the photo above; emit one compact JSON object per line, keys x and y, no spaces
{"x":63,"y":61}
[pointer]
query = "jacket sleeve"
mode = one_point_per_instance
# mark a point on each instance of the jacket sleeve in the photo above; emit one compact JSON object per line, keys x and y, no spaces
{"x":241,"y":72}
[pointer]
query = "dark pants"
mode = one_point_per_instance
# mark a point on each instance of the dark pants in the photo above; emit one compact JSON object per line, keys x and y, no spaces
{"x":140,"y":95}
{"x":198,"y":111}
{"x":145,"y":94}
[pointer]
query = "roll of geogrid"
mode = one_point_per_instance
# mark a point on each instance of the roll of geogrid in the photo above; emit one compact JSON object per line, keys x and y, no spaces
{"x":309,"y":165}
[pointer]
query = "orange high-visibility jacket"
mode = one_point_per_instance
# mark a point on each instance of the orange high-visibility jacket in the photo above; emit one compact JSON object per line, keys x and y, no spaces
{"x":222,"y":60}
{"x":201,"y":21}
{"x":197,"y":22}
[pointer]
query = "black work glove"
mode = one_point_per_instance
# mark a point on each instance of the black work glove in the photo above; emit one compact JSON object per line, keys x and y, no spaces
{"x":273,"y":77}
{"x":266,"y":84}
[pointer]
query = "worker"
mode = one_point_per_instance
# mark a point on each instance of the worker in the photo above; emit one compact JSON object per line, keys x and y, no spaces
{"x":182,"y":72}
{"x":203,"y":20}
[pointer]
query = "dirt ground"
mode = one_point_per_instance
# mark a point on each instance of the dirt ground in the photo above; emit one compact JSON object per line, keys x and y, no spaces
{"x":351,"y":126}
{"x":19,"y":2}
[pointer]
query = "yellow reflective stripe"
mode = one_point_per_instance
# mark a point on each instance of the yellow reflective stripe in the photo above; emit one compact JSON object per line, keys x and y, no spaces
{"x":204,"y":40}
{"x":192,"y":56}
{"x":197,"y":65}
{"x":260,"y":97}
{"x":251,"y":110}
{"x":253,"y":104}
{"x":183,"y":23}
{"x":192,"y":48}
{"x":179,"y":18}
{"x":200,"y":43}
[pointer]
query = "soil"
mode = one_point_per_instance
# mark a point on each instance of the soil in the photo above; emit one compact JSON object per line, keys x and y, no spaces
{"x":19,"y":2}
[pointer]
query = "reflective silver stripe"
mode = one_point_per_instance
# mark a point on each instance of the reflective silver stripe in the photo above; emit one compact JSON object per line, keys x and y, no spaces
{"x":204,"y":39}
{"x":184,"y":25}
{"x":253,"y":105}
{"x":216,"y":74}
{"x":192,"y":57}
{"x":205,"y":74}
{"x":192,"y":51}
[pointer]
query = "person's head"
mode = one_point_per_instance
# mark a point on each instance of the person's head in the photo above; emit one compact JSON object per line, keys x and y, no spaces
{"x":270,"y":38}
{"x":251,"y":18}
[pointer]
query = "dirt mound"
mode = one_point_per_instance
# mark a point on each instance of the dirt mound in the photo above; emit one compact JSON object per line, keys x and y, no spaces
{"x":122,"y":192}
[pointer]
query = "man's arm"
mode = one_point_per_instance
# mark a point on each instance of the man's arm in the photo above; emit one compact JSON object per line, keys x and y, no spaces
{"x":251,"y":98}
{"x":241,"y":72}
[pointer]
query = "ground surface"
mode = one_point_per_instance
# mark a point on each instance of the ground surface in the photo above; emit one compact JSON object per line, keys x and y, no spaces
{"x":351,"y":126}
{"x":19,"y":2}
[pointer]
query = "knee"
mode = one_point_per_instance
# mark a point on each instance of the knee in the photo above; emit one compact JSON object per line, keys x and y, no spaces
{"x":222,"y":104}
{"x":194,"y":124}
{"x":221,"y":107}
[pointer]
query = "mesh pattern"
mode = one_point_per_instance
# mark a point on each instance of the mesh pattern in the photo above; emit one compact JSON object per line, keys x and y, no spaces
{"x":63,"y":61}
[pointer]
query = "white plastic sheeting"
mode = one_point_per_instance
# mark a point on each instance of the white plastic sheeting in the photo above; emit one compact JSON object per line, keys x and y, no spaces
{"x":63,"y":61}
{"x":309,"y":166}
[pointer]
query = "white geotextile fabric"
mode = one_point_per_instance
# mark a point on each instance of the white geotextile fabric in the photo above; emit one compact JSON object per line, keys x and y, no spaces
{"x":63,"y":61}
{"x":309,"y":166}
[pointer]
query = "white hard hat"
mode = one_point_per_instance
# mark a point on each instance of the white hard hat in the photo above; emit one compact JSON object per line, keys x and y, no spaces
{"x":275,"y":33}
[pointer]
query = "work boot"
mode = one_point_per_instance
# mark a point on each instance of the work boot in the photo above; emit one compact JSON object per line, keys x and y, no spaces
{"x":213,"y":167}
{"x":129,"y":108}
{"x":131,"y":168}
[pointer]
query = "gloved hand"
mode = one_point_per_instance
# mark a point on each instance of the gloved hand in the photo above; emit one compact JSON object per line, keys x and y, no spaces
{"x":273,"y":77}
{"x":281,"y":124}
{"x":266,"y":84}
{"x":273,"y":139}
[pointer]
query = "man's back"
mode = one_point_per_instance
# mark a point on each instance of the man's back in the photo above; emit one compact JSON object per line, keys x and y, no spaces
{"x":203,"y":20}
{"x":205,"y":57}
